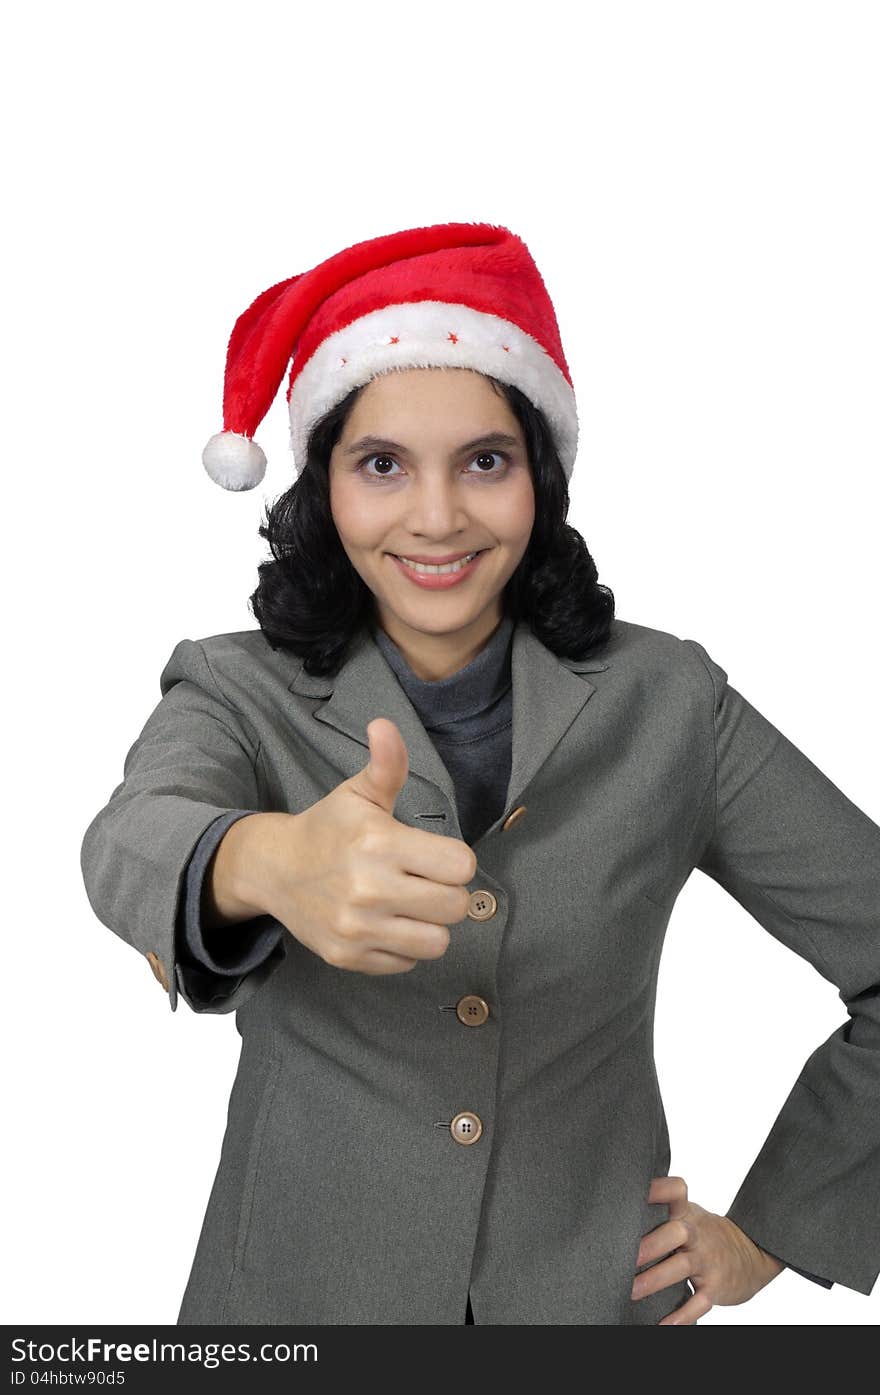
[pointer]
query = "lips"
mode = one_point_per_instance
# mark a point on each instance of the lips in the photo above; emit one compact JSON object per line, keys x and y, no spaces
{"x":434,"y":577}
{"x":437,"y":561}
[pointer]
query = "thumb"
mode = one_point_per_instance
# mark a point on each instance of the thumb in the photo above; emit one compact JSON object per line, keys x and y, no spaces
{"x":384,"y":775}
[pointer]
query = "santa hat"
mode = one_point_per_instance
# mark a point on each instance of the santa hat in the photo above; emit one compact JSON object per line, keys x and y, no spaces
{"x":464,"y":295}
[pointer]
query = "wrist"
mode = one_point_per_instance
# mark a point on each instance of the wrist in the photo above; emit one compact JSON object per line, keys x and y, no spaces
{"x":237,"y":878}
{"x":773,"y":1262}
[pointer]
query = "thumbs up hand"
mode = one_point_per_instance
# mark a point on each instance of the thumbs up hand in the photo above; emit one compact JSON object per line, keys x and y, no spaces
{"x":357,"y":887}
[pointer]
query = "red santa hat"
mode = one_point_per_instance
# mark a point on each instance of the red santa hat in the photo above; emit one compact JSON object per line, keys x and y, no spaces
{"x":465,"y":295}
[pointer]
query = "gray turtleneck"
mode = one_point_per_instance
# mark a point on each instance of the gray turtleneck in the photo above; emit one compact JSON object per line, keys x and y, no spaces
{"x":468,"y":717}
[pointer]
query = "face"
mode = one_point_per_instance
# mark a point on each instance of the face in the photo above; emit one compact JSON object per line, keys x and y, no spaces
{"x":408,"y":481}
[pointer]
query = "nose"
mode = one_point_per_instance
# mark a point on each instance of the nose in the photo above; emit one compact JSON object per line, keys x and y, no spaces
{"x":435,"y":509}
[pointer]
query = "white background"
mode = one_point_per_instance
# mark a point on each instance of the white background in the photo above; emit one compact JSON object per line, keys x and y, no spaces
{"x":698,"y":184}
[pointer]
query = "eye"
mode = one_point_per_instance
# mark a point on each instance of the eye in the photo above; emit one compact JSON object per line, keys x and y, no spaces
{"x":366,"y":461}
{"x":386,"y":474}
{"x":487,"y":455}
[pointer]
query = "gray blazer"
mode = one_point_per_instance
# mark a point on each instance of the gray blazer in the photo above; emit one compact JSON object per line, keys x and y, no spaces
{"x":490,"y":1121}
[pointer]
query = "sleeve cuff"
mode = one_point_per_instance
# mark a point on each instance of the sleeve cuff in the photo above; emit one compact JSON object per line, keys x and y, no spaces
{"x":826,"y":1283}
{"x":231,"y":951}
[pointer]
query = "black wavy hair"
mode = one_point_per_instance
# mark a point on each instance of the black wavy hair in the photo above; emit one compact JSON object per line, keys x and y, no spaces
{"x":311,"y":601}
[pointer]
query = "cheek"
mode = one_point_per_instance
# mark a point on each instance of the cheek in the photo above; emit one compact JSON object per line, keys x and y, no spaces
{"x":515,"y":515}
{"x":360,"y":522}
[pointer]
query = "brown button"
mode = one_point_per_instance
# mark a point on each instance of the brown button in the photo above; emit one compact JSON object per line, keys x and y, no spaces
{"x":472,"y":1010}
{"x":481,"y":905}
{"x":158,"y":970}
{"x":466,"y":1127}
{"x":513,"y":818}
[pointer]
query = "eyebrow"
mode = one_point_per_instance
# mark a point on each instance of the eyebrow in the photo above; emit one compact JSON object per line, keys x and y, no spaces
{"x":492,"y":438}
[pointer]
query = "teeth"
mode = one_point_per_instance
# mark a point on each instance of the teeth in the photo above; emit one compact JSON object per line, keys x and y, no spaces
{"x":447,"y":566}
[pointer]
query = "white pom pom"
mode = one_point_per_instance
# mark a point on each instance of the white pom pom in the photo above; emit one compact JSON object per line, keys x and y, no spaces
{"x":234,"y":461}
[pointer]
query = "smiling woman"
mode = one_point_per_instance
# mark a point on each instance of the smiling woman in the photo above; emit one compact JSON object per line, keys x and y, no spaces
{"x":423,"y":830}
{"x":418,"y":464}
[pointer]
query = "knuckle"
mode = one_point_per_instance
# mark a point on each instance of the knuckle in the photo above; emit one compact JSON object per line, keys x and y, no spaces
{"x":462,"y":860}
{"x":348,"y":924}
{"x":336,"y":955}
{"x":372,"y":840}
{"x":362,"y":890}
{"x":441,"y":941}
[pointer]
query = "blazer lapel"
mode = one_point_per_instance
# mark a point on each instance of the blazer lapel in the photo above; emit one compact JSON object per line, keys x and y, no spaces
{"x":548,"y":694}
{"x":366,"y":687}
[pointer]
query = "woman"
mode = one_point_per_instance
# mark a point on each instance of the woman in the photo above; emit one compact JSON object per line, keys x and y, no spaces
{"x":423,"y":831}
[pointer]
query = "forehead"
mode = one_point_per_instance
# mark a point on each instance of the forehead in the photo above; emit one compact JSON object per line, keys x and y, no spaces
{"x":436,"y":396}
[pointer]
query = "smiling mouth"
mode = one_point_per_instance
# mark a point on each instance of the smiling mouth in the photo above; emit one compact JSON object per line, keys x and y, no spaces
{"x":438,"y":569}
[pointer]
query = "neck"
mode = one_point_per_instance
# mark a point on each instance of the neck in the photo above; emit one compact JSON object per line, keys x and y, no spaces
{"x":432,"y":657}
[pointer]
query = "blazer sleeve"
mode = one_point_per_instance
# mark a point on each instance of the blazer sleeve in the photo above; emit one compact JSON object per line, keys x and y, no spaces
{"x":194,"y":760}
{"x":826,"y":1283}
{"x":805,"y":862}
